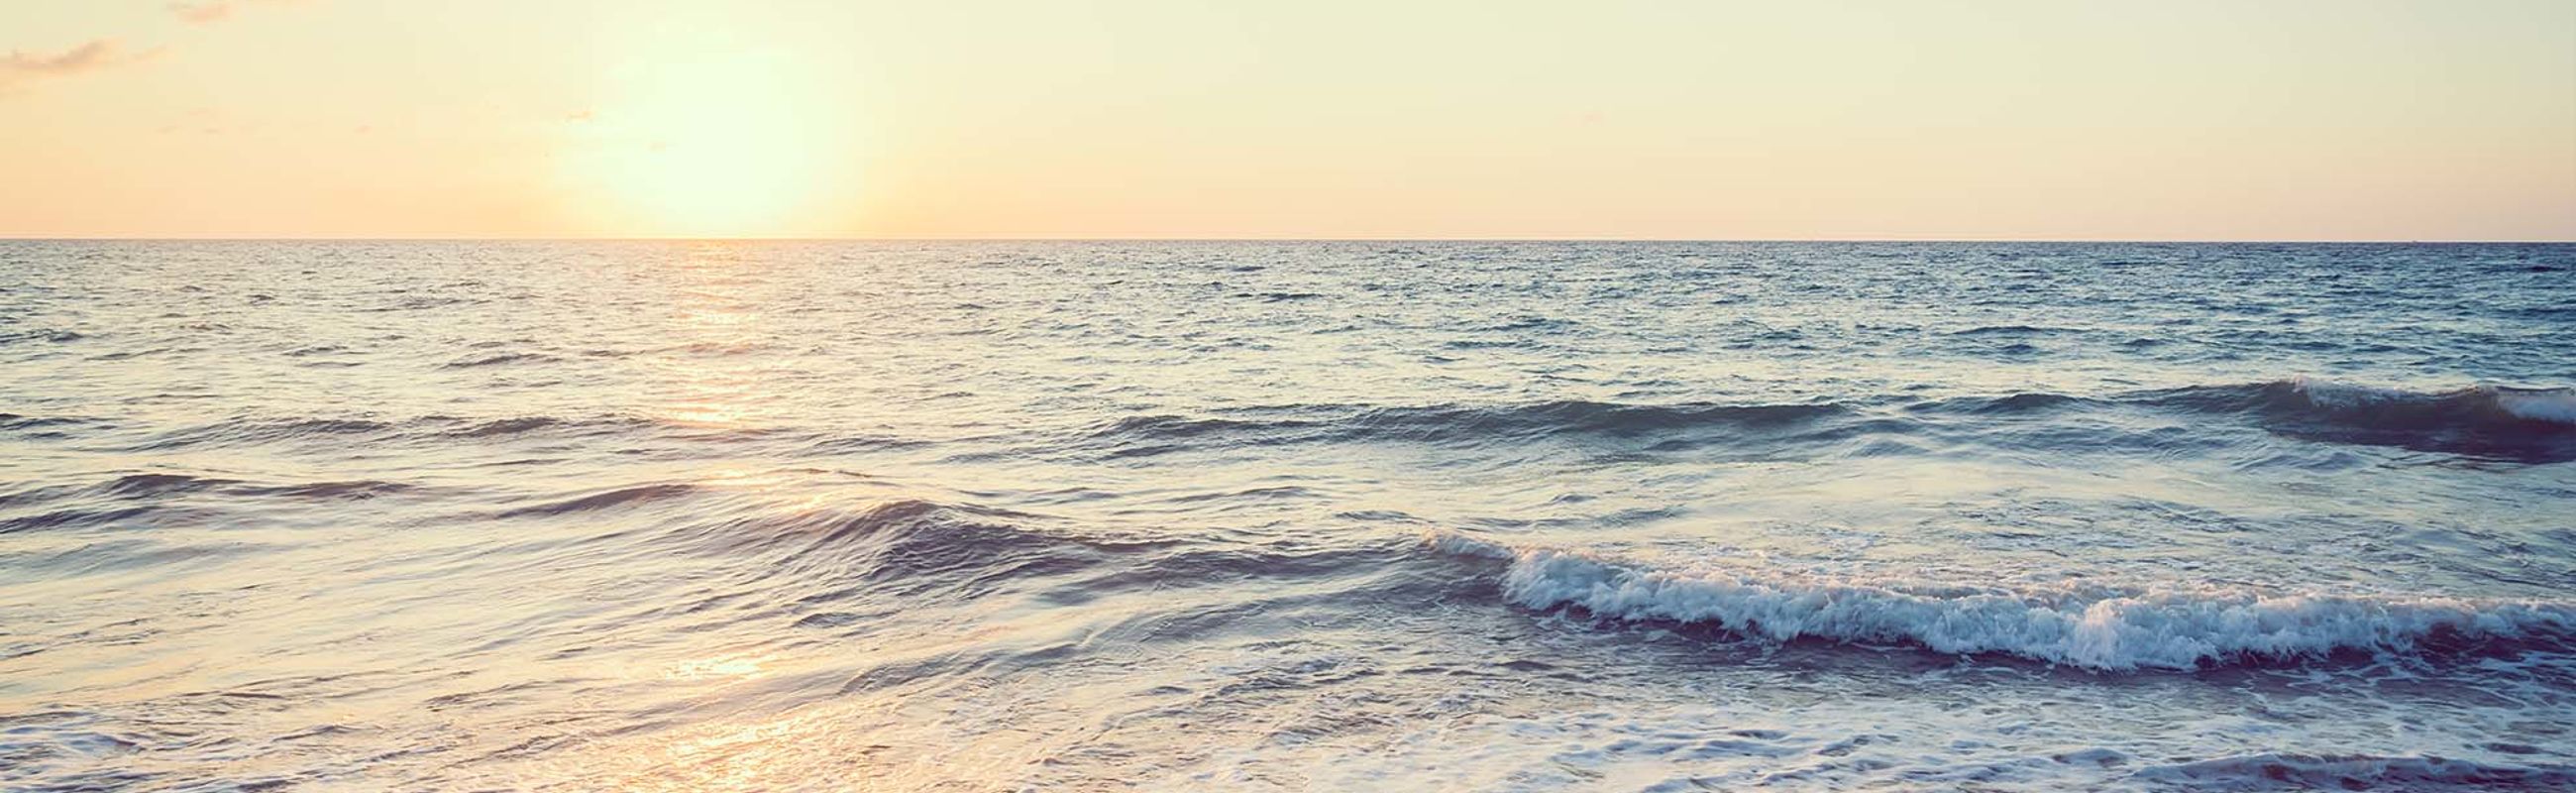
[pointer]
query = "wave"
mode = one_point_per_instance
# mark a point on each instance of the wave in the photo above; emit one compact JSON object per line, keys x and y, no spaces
{"x":2492,"y":422}
{"x":2546,"y":410}
{"x":526,"y":424}
{"x":2527,"y":424}
{"x":510,"y":426}
{"x":256,"y":431}
{"x":606,"y":499}
{"x":1455,"y":423}
{"x":2532,"y":425}
{"x":2278,"y":771}
{"x":352,"y":489}
{"x":85,"y":518}
{"x":14,"y":421}
{"x":2026,"y":402}
{"x":2389,"y":408}
{"x":158,"y":486}
{"x":55,"y":335}
{"x":474,"y":362}
{"x":908,"y":553}
{"x":2091,"y":627}
{"x":903,"y":553}
{"x":2011,"y":330}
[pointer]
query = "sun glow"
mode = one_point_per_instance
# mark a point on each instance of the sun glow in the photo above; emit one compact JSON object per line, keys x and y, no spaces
{"x":730,"y":146}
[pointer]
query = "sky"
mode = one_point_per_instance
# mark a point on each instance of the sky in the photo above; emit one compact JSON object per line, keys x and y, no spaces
{"x":1913,"y":119}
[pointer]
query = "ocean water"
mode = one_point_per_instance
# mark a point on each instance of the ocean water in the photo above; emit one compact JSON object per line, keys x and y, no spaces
{"x":1286,"y":516}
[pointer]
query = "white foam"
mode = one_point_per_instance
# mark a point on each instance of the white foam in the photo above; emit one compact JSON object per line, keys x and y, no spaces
{"x":2170,"y":627}
{"x":2331,"y":395}
{"x":2551,"y":406}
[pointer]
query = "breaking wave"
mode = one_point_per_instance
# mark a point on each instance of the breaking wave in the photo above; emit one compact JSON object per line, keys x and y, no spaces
{"x":2525,"y":424}
{"x":2087,"y":626}
{"x":2475,"y":407}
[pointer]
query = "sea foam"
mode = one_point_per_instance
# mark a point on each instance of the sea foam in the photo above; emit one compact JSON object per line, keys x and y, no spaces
{"x":2552,"y":405}
{"x":2087,"y":626}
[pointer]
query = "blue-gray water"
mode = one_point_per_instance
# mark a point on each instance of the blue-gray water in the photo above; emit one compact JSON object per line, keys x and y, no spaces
{"x":1292,"y":516}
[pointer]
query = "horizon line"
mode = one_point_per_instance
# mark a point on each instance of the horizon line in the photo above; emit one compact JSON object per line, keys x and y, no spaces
{"x":756,"y":238}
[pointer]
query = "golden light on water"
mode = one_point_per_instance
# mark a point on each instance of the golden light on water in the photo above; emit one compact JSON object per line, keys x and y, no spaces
{"x":708,"y":315}
{"x":730,"y":666}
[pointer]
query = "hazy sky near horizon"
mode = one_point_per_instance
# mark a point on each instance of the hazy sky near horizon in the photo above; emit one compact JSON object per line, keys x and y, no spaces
{"x":2292,"y":119}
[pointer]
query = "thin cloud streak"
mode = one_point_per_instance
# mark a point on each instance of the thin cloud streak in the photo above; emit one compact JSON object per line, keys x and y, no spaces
{"x":21,"y":67}
{"x":92,"y":55}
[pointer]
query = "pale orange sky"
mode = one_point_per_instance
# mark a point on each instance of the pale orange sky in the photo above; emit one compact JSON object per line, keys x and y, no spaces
{"x":1713,"y":120}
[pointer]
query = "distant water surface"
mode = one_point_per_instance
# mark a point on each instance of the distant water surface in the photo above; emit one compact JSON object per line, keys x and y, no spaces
{"x":1286,"y":516}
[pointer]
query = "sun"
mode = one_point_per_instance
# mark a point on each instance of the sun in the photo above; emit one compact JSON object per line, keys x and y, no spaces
{"x":709,"y":147}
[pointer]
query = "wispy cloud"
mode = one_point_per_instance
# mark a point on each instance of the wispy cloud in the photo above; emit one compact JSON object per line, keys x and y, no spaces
{"x":99,"y":54}
{"x":22,"y":67}
{"x":92,"y":55}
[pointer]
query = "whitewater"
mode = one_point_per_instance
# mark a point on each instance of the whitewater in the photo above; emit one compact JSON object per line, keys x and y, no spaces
{"x":1364,"y":515}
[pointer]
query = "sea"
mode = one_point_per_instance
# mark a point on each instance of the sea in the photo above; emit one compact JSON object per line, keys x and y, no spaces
{"x":1286,"y":516}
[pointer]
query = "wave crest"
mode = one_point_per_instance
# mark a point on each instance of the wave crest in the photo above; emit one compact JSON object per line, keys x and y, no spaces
{"x":2534,"y":425}
{"x":2089,"y":626}
{"x":2487,"y":406}
{"x":1470,"y":424}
